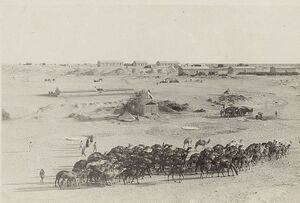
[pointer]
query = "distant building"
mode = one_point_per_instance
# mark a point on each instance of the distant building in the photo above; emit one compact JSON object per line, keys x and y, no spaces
{"x":194,"y":70}
{"x":283,"y":69}
{"x":149,"y":66}
{"x":263,"y":69}
{"x":241,"y":69}
{"x":127,"y":64}
{"x":109,"y":63}
{"x":139,"y":63}
{"x":167,"y":63}
{"x":222,"y":71}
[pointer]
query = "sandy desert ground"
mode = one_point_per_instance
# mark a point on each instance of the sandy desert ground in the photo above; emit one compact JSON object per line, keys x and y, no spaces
{"x":44,"y":121}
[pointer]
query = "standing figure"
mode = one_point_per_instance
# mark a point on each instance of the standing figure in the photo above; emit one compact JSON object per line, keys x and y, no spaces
{"x":91,"y":139}
{"x":30,"y":146}
{"x":276,"y":114}
{"x":87,"y":144}
{"x":81,"y":144}
{"x":42,"y":175}
{"x":95,"y":147}
{"x":83,"y":151}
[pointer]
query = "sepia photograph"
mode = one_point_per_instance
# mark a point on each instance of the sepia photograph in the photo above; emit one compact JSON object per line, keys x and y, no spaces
{"x":150,"y":101}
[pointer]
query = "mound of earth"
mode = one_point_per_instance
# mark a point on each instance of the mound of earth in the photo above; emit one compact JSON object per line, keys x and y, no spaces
{"x":118,"y":71}
{"x":90,"y":72}
{"x":170,"y":106}
{"x":79,"y":117}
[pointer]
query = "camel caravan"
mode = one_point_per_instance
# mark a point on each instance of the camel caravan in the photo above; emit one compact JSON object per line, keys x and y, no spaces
{"x":130,"y":163}
{"x":234,"y":111}
{"x":230,"y":100}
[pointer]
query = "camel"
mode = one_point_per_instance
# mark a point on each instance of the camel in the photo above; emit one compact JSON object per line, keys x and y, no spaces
{"x":226,"y":163}
{"x":235,"y":143}
{"x":71,"y":178}
{"x":58,"y":177}
{"x":201,"y":143}
{"x":177,"y":169}
{"x":187,"y":141}
{"x":65,"y":175}
{"x":109,"y":175}
{"x":79,"y":166}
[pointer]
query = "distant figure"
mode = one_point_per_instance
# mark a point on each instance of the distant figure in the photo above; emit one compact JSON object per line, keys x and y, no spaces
{"x":83,"y":151}
{"x":275,"y":114}
{"x":87,"y":144}
{"x":30,"y":146}
{"x":95,"y":147}
{"x":91,"y":139}
{"x":223,"y":106}
{"x":42,"y":175}
{"x":57,"y":91}
{"x":81,"y":144}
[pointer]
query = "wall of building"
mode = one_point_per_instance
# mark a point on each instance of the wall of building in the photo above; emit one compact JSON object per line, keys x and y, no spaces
{"x":150,"y":109}
{"x":136,"y":63}
{"x":109,"y":64}
{"x":162,"y":63}
{"x":192,"y":71}
{"x":237,"y":70}
{"x":223,"y":71}
{"x":285,"y":70}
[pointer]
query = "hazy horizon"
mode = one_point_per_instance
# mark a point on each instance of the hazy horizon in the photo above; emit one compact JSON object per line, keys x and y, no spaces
{"x":83,"y":33}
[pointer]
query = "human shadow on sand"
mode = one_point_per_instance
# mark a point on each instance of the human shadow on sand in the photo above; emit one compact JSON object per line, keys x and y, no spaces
{"x":65,"y":150}
{"x":68,"y":156}
{"x":36,"y":189}
{"x":28,"y":183}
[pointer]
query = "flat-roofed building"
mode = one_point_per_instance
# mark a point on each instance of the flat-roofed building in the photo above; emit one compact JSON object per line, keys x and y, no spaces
{"x":167,"y":63}
{"x":241,"y":69}
{"x":194,"y":70}
{"x":283,"y":69}
{"x":140,"y":63}
{"x":109,"y":63}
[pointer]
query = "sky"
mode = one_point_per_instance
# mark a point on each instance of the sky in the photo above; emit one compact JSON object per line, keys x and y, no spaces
{"x":77,"y":32}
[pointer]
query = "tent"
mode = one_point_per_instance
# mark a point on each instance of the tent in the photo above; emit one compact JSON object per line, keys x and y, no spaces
{"x":127,"y":117}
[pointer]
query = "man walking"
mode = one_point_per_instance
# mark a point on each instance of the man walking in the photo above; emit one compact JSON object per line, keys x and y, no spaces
{"x":81,"y":144}
{"x":42,"y":175}
{"x":30,"y":146}
{"x":83,"y":151}
{"x":95,"y":147}
{"x":87,"y":144}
